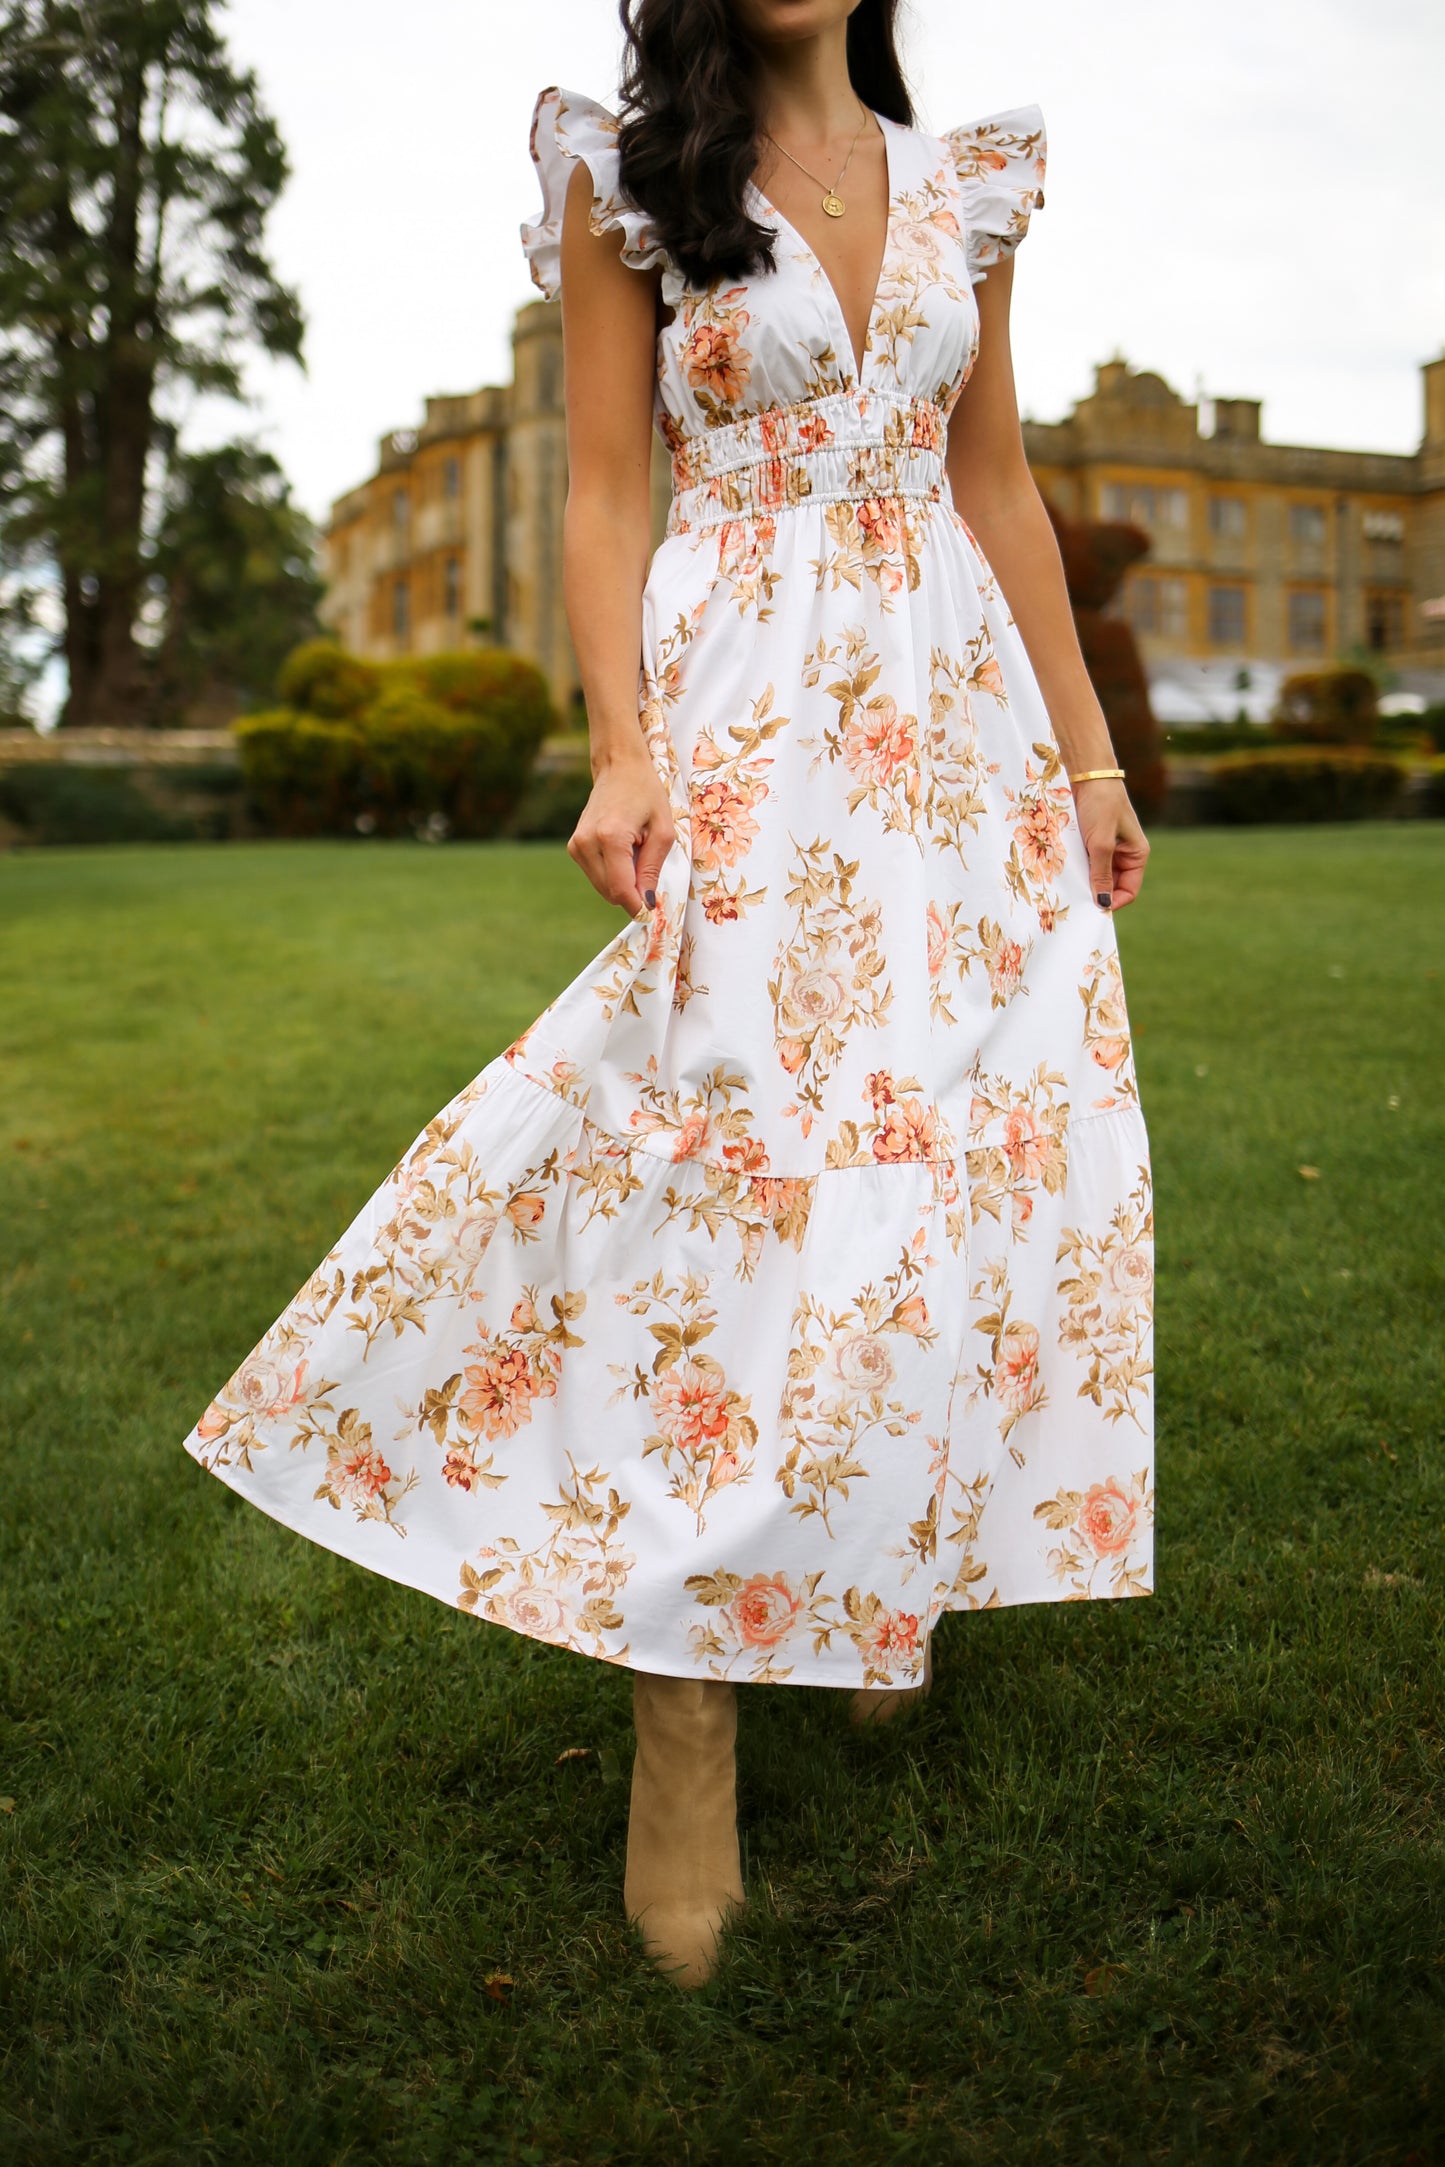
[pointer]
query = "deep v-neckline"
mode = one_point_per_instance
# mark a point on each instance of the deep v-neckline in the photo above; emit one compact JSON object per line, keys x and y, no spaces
{"x":859,"y":362}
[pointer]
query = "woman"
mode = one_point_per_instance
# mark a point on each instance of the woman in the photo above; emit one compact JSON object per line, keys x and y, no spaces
{"x":787,"y":1284}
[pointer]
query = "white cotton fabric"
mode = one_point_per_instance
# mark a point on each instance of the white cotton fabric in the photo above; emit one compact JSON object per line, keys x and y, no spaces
{"x":788,"y":1283}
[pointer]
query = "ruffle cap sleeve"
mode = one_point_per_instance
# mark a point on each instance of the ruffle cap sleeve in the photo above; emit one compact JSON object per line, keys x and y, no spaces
{"x":1000,"y":166}
{"x":566,"y":127}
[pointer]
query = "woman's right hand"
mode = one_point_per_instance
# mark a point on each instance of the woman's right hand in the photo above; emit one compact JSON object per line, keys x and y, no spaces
{"x":625,"y":832}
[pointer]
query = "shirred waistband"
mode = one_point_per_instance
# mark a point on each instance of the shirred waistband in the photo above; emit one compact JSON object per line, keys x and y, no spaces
{"x":849,"y":446}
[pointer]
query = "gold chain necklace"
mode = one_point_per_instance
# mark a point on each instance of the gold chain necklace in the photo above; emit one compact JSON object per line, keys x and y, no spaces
{"x":833,"y":203}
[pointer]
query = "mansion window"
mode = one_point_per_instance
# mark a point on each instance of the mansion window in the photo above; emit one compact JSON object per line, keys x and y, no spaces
{"x":1140,"y":505}
{"x":399,"y":508}
{"x":400,"y":610}
{"x":1226,"y":616}
{"x":1228,"y":518}
{"x":1307,"y":525}
{"x":452,"y":478}
{"x":452,"y":587}
{"x":1158,"y":606}
{"x":1384,"y":527}
{"x":1307,"y":621}
{"x":1384,"y":621}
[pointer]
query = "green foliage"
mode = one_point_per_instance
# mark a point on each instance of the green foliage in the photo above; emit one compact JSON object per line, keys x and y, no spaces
{"x":234,"y":577}
{"x":1432,"y":723}
{"x":437,"y":745}
{"x":322,"y":679}
{"x":138,"y":167}
{"x":552,"y":804}
{"x":1146,"y":1884}
{"x":1295,"y":782}
{"x":68,"y":803}
{"x":1328,"y":707}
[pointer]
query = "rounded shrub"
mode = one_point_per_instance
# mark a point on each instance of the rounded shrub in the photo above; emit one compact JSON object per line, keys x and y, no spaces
{"x":439,"y":744}
{"x":320,"y":678}
{"x":1298,"y":782}
{"x":1328,"y":707}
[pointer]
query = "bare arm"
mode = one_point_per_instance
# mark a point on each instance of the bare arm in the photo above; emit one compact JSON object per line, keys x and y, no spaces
{"x":997,"y":495}
{"x":609,"y":338}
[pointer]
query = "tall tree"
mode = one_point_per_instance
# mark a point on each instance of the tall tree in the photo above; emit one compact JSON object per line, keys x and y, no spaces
{"x":233,"y":582}
{"x":137,"y":171}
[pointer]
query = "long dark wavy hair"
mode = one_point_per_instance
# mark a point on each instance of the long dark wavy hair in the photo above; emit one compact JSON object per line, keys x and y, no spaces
{"x":691,"y":133}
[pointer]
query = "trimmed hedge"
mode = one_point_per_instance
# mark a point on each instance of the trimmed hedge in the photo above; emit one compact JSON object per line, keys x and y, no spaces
{"x":64,"y":802}
{"x":1297,"y":783}
{"x":1328,"y":707}
{"x":442,"y":745}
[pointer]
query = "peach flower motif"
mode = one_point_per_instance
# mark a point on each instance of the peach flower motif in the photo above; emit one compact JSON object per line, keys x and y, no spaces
{"x":988,"y":677}
{"x":748,"y":1155}
{"x":1048,"y":916}
{"x":471,"y":1233}
{"x":1039,"y":832}
{"x":535,"y":1611}
{"x":690,"y":1406}
{"x":912,"y":1315}
{"x":1110,"y":1053}
{"x":1130,"y":1271}
{"x":908,"y":1132}
{"x":459,"y":1471}
{"x":744,"y":546}
{"x":893,"y":1633}
{"x":723,"y":827}
{"x":500,"y":1391}
{"x":720,"y":908}
{"x":773,"y":429}
{"x":925,"y":431}
{"x":1017,"y":1376}
{"x":919,"y":240}
{"x":792,"y":1052}
{"x":775,"y":1195}
{"x":716,"y":361}
{"x":691,"y":1136}
{"x":266,"y":1386}
{"x":814,"y":431}
{"x":359,"y":1471}
{"x":725,"y":1469}
{"x":813,"y":995}
{"x":527,"y":1209}
{"x":1025,"y":1144}
{"x":877,"y":740}
{"x":863,"y":1362}
{"x":763,"y":1611}
{"x":524,"y":1315}
{"x":1107,"y":1519}
{"x":881,"y":522}
{"x":1005,"y":969}
{"x":937,"y":941}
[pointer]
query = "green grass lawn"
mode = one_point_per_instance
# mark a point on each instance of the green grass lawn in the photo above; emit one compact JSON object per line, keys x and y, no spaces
{"x":1160,"y":1881}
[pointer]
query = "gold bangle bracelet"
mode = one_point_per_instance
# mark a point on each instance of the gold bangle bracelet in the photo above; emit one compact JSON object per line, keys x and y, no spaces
{"x":1099,"y":775}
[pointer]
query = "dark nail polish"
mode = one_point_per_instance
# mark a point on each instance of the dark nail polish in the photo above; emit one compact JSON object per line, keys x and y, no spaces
{"x":649,"y":897}
{"x":1104,"y":900}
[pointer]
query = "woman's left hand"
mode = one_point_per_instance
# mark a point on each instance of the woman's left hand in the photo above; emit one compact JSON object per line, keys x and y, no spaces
{"x":1117,"y":845}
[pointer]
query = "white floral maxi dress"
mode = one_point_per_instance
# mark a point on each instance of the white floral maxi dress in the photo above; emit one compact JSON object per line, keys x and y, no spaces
{"x":788,"y":1282}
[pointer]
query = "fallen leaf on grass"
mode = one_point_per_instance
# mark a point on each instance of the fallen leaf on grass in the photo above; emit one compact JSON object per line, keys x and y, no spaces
{"x":7,"y":1805}
{"x":499,"y":1984}
{"x":572,"y":1753}
{"x":271,"y":1870}
{"x":1104,"y":1978}
{"x":1308,"y":1173}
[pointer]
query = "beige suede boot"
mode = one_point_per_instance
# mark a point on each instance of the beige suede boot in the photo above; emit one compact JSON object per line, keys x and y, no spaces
{"x":684,"y":1876}
{"x":881,"y":1703}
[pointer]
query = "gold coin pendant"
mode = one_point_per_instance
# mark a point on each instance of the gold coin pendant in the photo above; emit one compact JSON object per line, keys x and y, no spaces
{"x":834,"y":205}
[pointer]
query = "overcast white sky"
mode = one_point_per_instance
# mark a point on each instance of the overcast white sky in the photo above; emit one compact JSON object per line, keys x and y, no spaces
{"x":1249,"y":198}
